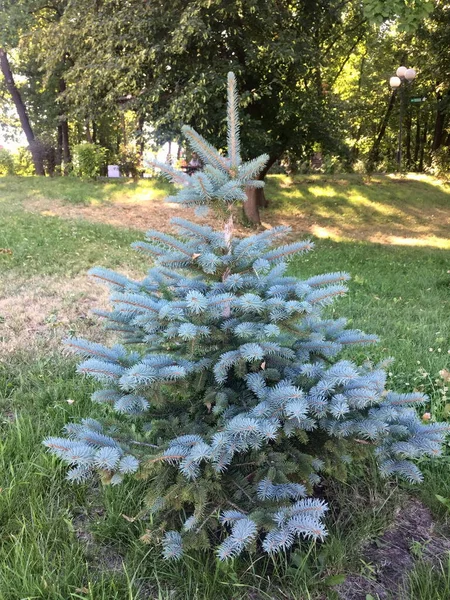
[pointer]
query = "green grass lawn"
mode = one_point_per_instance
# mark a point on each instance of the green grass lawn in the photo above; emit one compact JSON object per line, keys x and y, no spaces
{"x":61,"y":542}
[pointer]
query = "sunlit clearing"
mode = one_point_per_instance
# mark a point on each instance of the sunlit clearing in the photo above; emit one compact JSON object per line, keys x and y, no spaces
{"x":337,"y":235}
{"x":442,"y":184}
{"x":384,"y":209}
{"x":322,"y":191}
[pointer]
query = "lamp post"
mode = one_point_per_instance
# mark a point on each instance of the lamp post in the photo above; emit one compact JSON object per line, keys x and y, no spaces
{"x":402,"y":78}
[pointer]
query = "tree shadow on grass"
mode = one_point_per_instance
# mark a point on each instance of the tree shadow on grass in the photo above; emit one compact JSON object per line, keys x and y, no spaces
{"x":388,"y":210}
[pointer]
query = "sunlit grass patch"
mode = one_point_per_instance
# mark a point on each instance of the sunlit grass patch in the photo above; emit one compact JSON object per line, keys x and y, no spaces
{"x":62,"y":542}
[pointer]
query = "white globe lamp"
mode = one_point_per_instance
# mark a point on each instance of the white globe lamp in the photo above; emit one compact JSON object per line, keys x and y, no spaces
{"x":395,"y":82}
{"x":401,"y":72}
{"x":410,"y":74}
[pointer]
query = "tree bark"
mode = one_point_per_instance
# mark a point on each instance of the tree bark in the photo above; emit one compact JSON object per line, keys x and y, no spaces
{"x":439,"y":123}
{"x":256,"y":197}
{"x":59,"y":146}
{"x":141,"y":142}
{"x":423,"y":144}
{"x":375,"y":150}
{"x":88,"y":132}
{"x":36,"y":153}
{"x":417,"y":142}
{"x":408,"y":138}
{"x":65,"y":131}
{"x":251,"y":206}
{"x":65,"y":144}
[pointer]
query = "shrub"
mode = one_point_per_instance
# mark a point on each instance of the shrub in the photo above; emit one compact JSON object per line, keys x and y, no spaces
{"x":233,"y":401}
{"x":335,"y":164}
{"x":129,"y":163}
{"x":23,"y":162}
{"x":440,"y":162}
{"x":88,"y":159}
{"x":6,"y":162}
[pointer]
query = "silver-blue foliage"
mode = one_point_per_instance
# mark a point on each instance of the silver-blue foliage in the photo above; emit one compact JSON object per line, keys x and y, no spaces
{"x":238,"y":380}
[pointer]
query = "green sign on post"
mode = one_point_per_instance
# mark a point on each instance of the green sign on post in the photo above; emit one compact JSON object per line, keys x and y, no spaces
{"x":417,"y":99}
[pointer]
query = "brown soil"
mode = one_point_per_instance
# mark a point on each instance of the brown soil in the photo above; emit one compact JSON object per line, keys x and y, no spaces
{"x":391,"y":558}
{"x":424,"y":229}
{"x":143,"y":215}
{"x":36,"y":314}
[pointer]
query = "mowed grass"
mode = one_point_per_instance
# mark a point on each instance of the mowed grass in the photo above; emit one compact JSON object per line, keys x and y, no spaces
{"x":61,"y":541}
{"x":409,"y":210}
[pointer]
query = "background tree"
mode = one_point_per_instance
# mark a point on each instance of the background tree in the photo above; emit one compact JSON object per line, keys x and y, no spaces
{"x":313,"y":76}
{"x":22,"y":112}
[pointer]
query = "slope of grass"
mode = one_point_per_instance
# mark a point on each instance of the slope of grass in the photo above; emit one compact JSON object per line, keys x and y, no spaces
{"x":60,"y":542}
{"x":355,"y":206}
{"x":402,"y":294}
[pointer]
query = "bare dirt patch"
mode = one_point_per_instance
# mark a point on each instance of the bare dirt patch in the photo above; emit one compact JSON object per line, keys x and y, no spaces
{"x":415,"y":228}
{"x":138,"y":214}
{"x":412,"y":534}
{"x":35,"y":314}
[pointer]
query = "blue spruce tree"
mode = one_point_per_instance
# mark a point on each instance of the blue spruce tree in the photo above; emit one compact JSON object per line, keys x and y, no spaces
{"x":235,"y":401}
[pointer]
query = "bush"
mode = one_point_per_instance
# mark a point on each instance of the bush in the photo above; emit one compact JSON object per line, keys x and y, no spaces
{"x":88,"y":159}
{"x":233,"y":401}
{"x":129,"y":163}
{"x":333,"y":164}
{"x":440,"y":162}
{"x":23,"y":162}
{"x":6,"y":162}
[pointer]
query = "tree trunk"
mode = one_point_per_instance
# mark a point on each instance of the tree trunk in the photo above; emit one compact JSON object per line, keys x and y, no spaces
{"x":124,"y":131}
{"x":251,"y":205}
{"x":65,"y":131}
{"x":59,"y":146}
{"x":88,"y":132}
{"x":65,"y":144}
{"x":256,"y":197}
{"x":375,"y":151}
{"x":37,"y":154}
{"x":141,"y":142}
{"x":423,"y":144}
{"x":417,"y":142}
{"x":439,"y":124}
{"x":408,"y":139}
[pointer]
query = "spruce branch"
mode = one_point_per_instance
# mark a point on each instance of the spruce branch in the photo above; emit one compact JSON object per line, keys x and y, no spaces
{"x":234,"y":380}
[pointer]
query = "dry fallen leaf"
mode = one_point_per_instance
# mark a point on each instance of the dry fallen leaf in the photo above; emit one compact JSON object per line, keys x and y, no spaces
{"x":445,"y":374}
{"x":129,"y":519}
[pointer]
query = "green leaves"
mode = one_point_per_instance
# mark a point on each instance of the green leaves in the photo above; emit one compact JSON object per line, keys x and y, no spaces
{"x":333,"y":580}
{"x":408,"y":13}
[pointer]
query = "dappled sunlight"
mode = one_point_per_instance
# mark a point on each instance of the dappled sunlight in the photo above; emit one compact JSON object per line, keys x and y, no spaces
{"x":383,"y":209}
{"x":442,"y":184}
{"x":322,"y":191}
{"x":411,"y":210}
{"x":430,"y":241}
{"x":283,"y":180}
{"x":327,"y":233}
{"x":360,"y":200}
{"x":338,"y":235}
